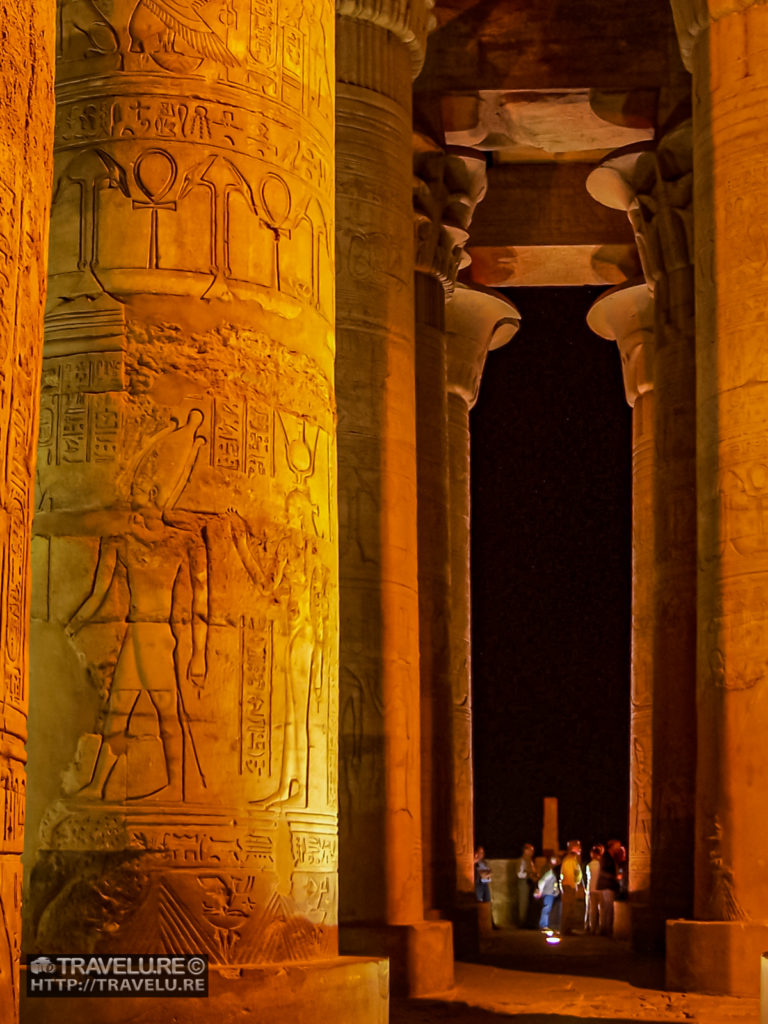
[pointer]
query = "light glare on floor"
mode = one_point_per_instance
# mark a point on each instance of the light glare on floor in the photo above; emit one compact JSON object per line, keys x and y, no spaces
{"x":553,"y":940}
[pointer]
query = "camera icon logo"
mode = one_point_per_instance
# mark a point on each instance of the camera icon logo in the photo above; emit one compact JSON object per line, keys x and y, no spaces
{"x":42,"y":965}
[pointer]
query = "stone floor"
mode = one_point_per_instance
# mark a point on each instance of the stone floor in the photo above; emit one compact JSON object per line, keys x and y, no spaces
{"x":518,"y":977}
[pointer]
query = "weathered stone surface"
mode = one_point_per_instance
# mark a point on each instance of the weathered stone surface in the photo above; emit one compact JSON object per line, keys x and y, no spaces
{"x":534,"y":265}
{"x":518,"y":45}
{"x":26,"y":136}
{"x":544,"y":204}
{"x":528,"y":121}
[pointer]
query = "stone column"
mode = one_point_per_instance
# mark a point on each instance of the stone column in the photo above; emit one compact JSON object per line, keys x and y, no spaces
{"x":625,"y":315}
{"x":477,"y":321}
{"x":654,"y":187}
{"x":379,"y":48}
{"x":726,"y":47}
{"x":183,"y":747}
{"x":26,"y":142}
{"x":447,"y":187}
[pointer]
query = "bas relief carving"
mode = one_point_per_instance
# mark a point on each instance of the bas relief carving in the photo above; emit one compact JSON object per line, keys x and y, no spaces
{"x":278,"y":50}
{"x":186,"y":483}
{"x":144,"y":701}
{"x":257,"y":237}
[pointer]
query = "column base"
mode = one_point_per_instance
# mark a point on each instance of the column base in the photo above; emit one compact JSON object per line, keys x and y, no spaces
{"x":715,"y":957}
{"x":420,"y":955}
{"x":350,"y":989}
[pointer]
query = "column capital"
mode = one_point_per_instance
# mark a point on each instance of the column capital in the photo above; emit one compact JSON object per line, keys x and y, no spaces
{"x":654,"y":185}
{"x":447,"y":186}
{"x":626,"y":315}
{"x":410,"y":21}
{"x":477,"y":320}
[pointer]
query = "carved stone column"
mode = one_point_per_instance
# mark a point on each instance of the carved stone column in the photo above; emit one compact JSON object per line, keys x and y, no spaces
{"x":477,"y":321}
{"x":183,"y":745}
{"x":726,"y":46}
{"x":379,"y":48}
{"x":26,"y":143}
{"x":626,"y":315}
{"x":655,"y":188}
{"x":447,"y":187}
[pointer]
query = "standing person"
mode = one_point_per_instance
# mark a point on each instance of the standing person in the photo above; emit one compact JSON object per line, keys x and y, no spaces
{"x":608,"y":884}
{"x":527,"y":876}
{"x":571,"y":885}
{"x":482,"y":877}
{"x":592,"y":916}
{"x":548,"y":891}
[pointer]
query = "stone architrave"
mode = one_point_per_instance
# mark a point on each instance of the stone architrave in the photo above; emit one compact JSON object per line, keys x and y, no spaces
{"x":626,"y":315}
{"x":26,"y":160}
{"x":477,"y":321}
{"x":725,"y":45}
{"x":185,"y":610}
{"x":380,"y":46}
{"x":654,"y":186}
{"x":447,"y":188}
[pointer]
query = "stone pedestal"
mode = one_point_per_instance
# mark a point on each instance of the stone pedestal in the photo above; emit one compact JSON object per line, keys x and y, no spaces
{"x":716,"y":957}
{"x":26,"y":137}
{"x":420,"y":955}
{"x":503,"y":893}
{"x":727,"y":50}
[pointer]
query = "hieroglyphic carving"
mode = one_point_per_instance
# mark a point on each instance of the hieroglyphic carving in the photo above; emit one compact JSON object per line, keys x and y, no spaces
{"x":276,"y":49}
{"x":193,"y":255}
{"x":79,"y":408}
{"x":257,"y":234}
{"x":26,"y":116}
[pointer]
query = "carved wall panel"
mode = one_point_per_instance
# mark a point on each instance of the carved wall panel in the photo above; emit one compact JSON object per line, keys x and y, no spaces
{"x":26,"y":118}
{"x":186,"y":603}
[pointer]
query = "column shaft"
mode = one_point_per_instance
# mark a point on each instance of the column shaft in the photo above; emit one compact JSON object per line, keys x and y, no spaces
{"x":380,"y":790}
{"x":728,"y":49}
{"x":644,"y":576}
{"x":26,"y":143}
{"x":186,"y":612}
{"x":434,"y":596}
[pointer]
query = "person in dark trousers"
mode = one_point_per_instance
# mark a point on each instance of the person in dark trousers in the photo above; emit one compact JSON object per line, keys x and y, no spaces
{"x":482,"y":877}
{"x":608,"y":883}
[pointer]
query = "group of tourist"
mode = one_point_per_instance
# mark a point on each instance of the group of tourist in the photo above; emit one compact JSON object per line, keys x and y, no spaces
{"x":560,"y":885}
